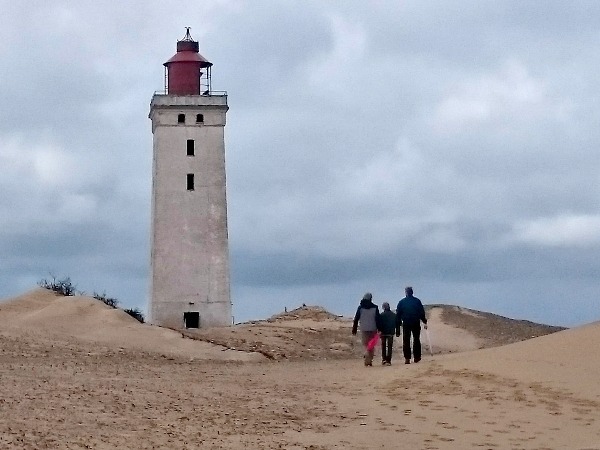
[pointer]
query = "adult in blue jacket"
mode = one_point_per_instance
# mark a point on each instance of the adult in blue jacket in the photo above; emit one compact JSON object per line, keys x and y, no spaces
{"x":409,"y":314}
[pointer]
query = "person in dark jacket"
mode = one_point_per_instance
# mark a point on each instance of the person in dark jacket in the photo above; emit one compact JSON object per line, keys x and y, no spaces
{"x":367,"y":315}
{"x":387,"y":326}
{"x":409,"y":314}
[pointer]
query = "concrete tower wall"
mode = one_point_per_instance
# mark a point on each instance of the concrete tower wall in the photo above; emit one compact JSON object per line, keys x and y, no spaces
{"x":190,"y":255}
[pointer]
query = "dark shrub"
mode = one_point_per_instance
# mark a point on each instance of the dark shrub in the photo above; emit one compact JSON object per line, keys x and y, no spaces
{"x":136,"y":314}
{"x":112,"y":302}
{"x":62,"y":287}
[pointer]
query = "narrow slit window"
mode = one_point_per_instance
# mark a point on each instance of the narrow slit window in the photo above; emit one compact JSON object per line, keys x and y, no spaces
{"x":180,"y":118}
{"x":199,"y":118}
{"x":190,"y":147}
{"x":190,"y":181}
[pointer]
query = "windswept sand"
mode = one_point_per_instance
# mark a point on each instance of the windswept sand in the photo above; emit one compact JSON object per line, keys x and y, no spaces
{"x":76,"y":374}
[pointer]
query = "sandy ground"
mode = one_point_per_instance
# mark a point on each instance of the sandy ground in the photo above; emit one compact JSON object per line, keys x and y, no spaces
{"x":76,"y":374}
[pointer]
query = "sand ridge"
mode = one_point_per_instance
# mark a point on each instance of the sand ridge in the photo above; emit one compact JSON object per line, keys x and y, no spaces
{"x":44,"y":314}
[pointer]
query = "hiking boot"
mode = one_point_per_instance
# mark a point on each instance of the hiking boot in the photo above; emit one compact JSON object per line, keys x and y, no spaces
{"x":407,"y":361}
{"x":417,"y":360}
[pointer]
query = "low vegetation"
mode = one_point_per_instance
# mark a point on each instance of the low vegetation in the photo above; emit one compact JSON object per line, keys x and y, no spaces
{"x":136,"y":314}
{"x":112,"y":302}
{"x":62,"y":287}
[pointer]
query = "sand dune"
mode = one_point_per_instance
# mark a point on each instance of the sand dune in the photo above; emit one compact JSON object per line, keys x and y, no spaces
{"x":540,"y":393}
{"x":77,"y":374}
{"x":568,"y":359}
{"x":47,"y":315}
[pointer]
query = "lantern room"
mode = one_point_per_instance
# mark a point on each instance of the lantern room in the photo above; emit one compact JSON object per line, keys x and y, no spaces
{"x":187,"y":72}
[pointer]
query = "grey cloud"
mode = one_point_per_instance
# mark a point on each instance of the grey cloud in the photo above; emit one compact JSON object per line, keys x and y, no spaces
{"x":368,"y":146}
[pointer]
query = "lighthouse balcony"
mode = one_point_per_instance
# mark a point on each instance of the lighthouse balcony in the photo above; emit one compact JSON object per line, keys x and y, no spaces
{"x":216,"y":98}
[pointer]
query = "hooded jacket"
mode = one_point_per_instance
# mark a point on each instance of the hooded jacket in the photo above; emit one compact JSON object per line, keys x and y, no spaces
{"x":368,"y":316}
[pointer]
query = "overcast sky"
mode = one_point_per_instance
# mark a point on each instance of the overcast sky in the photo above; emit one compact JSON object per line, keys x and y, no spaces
{"x":370,"y":145}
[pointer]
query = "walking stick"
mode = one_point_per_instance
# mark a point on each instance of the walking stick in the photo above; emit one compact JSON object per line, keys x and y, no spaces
{"x":429,"y":341}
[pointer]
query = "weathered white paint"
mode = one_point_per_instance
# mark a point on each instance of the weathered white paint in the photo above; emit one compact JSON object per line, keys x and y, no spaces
{"x":189,"y":248}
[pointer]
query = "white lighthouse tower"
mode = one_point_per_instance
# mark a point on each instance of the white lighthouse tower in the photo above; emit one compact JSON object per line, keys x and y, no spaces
{"x":189,"y":248}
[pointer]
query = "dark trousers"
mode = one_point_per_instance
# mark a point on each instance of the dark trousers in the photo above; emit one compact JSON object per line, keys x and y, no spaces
{"x":413,"y":330}
{"x":387,"y":344}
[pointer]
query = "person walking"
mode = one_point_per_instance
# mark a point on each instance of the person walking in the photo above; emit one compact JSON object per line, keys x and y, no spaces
{"x":388,"y":327}
{"x":409,"y":314}
{"x":367,"y":315}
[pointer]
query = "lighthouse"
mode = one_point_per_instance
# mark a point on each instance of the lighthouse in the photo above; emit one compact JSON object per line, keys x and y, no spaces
{"x":189,"y":239}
